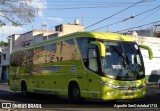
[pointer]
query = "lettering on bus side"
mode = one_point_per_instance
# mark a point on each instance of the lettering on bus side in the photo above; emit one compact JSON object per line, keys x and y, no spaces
{"x":49,"y":68}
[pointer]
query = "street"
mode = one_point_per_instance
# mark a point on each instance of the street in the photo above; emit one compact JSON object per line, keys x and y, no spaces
{"x":49,"y":102}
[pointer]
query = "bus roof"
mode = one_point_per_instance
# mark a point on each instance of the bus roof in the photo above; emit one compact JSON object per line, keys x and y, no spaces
{"x":97,"y":35}
{"x":104,"y":36}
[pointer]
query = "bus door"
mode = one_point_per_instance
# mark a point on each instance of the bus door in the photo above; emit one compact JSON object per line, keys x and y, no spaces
{"x":93,"y":72}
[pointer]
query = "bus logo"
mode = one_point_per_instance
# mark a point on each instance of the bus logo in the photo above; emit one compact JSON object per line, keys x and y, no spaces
{"x":73,"y":69}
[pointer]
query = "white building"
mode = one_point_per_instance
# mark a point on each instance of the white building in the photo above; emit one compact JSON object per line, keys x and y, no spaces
{"x":151,"y":66}
{"x":4,"y":64}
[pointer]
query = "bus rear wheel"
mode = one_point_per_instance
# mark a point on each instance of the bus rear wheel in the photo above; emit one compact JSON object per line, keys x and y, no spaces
{"x":74,"y":93}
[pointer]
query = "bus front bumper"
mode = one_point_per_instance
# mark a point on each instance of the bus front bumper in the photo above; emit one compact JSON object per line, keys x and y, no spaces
{"x":115,"y":94}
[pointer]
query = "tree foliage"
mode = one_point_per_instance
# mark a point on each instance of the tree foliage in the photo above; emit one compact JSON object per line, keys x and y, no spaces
{"x":3,"y":44}
{"x":16,"y":12}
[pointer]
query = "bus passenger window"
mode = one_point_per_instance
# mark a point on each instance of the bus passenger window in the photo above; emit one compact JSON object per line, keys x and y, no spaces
{"x":92,"y":57}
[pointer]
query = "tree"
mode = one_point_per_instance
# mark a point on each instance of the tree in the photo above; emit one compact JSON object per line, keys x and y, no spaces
{"x":3,"y":44}
{"x":16,"y":12}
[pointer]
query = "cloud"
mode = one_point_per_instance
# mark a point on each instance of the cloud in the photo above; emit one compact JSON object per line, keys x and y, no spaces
{"x":9,"y":30}
{"x":55,"y":19}
{"x":39,"y":6}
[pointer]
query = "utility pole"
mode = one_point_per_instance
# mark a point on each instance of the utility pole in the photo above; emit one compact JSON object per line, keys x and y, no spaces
{"x":10,"y":44}
{"x":82,"y":18}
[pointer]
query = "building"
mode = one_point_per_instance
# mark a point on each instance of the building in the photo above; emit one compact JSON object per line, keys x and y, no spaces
{"x":17,"y":41}
{"x":4,"y":64}
{"x":146,"y":32}
{"x":0,"y":62}
{"x":64,"y":29}
{"x":152,"y":67}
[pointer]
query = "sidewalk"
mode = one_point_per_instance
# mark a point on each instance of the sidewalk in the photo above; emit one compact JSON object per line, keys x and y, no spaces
{"x":3,"y":83}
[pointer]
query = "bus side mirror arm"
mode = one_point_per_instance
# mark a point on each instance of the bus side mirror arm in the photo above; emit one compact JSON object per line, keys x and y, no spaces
{"x":149,"y":50}
{"x":101,"y":47}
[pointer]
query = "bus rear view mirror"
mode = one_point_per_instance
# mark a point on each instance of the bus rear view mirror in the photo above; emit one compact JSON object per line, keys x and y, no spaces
{"x":150,"y":53}
{"x":101,"y":47}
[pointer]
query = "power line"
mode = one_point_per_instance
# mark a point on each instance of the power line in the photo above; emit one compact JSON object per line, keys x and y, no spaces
{"x":70,"y":8}
{"x":86,"y":17}
{"x":146,"y":17}
{"x":99,"y":6}
{"x":127,"y":18}
{"x":96,"y":4}
{"x":115,"y":14}
{"x":65,"y":1}
{"x":139,"y":26}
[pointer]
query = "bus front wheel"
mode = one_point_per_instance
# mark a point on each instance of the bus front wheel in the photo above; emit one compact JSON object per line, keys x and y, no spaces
{"x":74,"y":93}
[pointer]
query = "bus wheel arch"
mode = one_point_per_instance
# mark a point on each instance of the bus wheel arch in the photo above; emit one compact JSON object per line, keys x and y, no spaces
{"x":74,"y":91}
{"x":24,"y":88}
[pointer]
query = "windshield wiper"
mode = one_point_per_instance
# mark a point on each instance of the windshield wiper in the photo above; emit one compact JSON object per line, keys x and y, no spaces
{"x":121,"y":55}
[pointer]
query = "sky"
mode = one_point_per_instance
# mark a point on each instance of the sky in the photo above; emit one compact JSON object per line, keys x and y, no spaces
{"x":55,"y":12}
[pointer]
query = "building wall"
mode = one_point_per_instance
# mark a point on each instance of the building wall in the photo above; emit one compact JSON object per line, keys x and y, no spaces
{"x":72,"y":28}
{"x":37,"y":38}
{"x":0,"y":61}
{"x":4,"y":64}
{"x":69,"y":28}
{"x":16,"y":41}
{"x":151,"y":66}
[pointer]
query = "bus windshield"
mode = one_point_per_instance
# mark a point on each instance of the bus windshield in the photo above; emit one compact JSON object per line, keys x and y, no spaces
{"x":123,"y":61}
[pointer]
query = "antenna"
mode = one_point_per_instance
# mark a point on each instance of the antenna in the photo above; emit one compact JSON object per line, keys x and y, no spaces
{"x":82,"y":18}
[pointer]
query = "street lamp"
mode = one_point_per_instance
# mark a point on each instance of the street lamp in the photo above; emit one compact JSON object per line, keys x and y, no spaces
{"x":131,"y":17}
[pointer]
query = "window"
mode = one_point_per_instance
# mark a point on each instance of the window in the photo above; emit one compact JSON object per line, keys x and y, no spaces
{"x":27,"y":44}
{"x":82,"y":44}
{"x":92,"y":58}
{"x":59,"y":28}
{"x":51,"y":50}
{"x":68,"y":51}
{"x":38,"y":54}
{"x":4,"y":56}
{"x":16,"y":58}
{"x":27,"y":57}
{"x":83,"y":47}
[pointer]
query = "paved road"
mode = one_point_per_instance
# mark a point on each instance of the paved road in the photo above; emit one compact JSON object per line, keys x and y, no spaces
{"x":63,"y":104}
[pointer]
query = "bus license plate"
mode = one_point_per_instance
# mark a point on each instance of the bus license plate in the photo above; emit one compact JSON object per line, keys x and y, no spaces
{"x":129,"y":94}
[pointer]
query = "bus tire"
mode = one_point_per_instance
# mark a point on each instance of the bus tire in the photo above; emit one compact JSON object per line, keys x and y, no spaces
{"x":74,"y":93}
{"x":24,"y":89}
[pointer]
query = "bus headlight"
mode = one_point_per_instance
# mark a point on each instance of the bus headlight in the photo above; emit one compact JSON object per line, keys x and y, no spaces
{"x":108,"y":84}
{"x":141,"y":86}
{"x":123,"y":87}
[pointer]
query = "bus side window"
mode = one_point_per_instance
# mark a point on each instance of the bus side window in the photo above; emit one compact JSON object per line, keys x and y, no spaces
{"x":92,"y":59}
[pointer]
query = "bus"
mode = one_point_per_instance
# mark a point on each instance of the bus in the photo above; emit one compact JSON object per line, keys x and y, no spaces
{"x":96,"y":65}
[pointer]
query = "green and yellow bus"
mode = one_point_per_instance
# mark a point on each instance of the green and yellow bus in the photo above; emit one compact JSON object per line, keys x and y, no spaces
{"x":97,"y":65}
